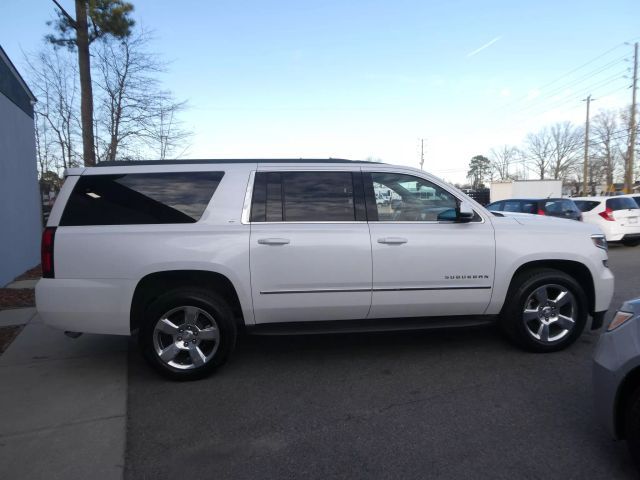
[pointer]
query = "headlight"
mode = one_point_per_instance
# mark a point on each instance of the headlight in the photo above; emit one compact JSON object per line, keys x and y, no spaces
{"x":618,"y":319}
{"x":599,"y":241}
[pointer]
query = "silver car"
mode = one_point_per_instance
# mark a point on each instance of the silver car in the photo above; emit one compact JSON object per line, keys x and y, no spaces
{"x":616,"y":377}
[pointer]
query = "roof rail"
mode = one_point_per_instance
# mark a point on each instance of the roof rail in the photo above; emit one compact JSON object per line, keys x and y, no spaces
{"x":126,"y":163}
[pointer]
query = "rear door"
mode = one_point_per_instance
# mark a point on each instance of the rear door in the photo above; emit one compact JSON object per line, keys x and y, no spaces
{"x":310,"y":247}
{"x":423,"y":266}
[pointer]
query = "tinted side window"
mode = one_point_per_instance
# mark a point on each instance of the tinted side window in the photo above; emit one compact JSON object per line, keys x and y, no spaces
{"x":529,"y":207}
{"x":512,"y":206}
{"x":637,"y":200}
{"x":140,"y":198}
{"x":553,"y":206}
{"x":495,"y":206}
{"x":307,"y":197}
{"x":586,"y":205}
{"x":318,"y":197}
{"x":621,"y":203}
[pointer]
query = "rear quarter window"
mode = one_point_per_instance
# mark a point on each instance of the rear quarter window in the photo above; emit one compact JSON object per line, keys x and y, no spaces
{"x":621,"y":203}
{"x":140,"y":198}
{"x":586,"y":205}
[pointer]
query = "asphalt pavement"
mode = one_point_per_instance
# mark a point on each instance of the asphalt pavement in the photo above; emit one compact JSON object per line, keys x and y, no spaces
{"x":434,"y":404}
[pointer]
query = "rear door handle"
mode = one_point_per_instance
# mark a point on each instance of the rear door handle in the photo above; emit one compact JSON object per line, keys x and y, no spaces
{"x":273,"y":241}
{"x":392,"y":240}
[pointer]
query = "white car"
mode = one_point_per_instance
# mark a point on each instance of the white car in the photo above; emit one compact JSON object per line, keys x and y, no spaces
{"x":618,"y":217}
{"x":188,"y":253}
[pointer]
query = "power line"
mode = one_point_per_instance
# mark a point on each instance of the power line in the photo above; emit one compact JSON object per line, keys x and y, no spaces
{"x":526,"y":97}
{"x":576,"y":95}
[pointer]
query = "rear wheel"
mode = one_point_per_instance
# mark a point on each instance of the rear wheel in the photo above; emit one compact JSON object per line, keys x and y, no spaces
{"x":632,"y":427}
{"x":631,"y":243}
{"x":546,"y":310}
{"x":187,"y":333}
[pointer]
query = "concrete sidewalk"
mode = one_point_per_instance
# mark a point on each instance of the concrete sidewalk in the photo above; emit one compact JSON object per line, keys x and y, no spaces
{"x":62,"y":403}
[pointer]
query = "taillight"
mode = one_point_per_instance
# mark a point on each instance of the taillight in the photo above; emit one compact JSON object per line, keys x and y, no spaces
{"x":541,"y":212}
{"x":46,"y":252}
{"x":607,"y":215}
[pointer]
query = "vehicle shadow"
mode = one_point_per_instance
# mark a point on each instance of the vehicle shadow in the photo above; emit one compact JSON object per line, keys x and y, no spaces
{"x":453,"y":403}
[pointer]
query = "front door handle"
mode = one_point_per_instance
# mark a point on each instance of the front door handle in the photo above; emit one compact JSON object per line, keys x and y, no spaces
{"x":392,"y":240}
{"x":273,"y":241}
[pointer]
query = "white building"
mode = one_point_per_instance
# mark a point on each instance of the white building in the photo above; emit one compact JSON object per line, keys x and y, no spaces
{"x":20,"y":210}
{"x":525,"y":189}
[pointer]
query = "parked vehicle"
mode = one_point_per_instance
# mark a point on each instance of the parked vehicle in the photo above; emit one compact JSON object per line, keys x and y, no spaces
{"x":618,"y":217}
{"x":554,"y":207}
{"x":616,"y":377}
{"x":188,"y":253}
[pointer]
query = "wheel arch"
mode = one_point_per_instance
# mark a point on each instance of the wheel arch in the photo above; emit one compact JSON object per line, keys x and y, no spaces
{"x":579,"y":271}
{"x":154,"y":284}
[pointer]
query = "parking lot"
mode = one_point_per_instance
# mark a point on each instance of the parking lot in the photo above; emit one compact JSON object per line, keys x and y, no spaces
{"x":435,"y":404}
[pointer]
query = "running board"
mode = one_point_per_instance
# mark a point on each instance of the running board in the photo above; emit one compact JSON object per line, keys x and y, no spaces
{"x":369,"y":325}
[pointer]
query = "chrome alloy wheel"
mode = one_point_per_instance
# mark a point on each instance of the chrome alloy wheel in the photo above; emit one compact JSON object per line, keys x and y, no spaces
{"x":550,"y":313}
{"x":186,"y":337}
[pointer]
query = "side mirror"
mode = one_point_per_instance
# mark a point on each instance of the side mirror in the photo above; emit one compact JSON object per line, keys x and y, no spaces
{"x":464,"y":212}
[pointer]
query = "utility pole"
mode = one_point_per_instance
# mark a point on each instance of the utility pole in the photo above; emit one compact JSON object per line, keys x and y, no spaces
{"x":422,"y":154}
{"x":585,"y":170}
{"x":628,"y":174}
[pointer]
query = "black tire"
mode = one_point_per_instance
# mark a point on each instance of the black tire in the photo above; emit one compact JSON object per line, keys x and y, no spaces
{"x":522,"y":288}
{"x":632,"y":427}
{"x":220,"y":348}
{"x":631,"y":243}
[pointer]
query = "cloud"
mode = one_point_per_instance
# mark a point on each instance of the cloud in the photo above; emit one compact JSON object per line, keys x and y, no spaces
{"x":486,"y":45}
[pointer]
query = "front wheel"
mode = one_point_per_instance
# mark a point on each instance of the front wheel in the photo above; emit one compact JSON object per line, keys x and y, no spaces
{"x":546,"y":310}
{"x":187,"y":333}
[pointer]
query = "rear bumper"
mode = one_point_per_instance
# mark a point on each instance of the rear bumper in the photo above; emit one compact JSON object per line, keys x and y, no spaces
{"x":620,"y":235}
{"x":87,"y":305}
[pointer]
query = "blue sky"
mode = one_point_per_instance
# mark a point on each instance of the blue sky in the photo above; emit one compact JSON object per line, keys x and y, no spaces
{"x":370,"y":78}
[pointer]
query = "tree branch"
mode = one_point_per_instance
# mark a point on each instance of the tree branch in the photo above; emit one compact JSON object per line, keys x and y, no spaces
{"x":69,"y":18}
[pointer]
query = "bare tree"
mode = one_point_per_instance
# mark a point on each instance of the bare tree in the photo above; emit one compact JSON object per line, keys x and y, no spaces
{"x":502,"y":159}
{"x":566,"y":144}
{"x":537,"y":149}
{"x":53,"y":80}
{"x":168,"y":136}
{"x":607,"y":142}
{"x":133,"y":112}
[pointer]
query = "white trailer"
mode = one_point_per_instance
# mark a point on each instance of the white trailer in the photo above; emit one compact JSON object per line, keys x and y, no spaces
{"x":525,"y":189}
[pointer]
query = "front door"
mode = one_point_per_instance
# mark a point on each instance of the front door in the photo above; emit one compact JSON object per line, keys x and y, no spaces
{"x":423,"y":266}
{"x":310,"y":250}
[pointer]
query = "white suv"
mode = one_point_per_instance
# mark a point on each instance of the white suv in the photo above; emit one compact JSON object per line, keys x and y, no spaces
{"x":618,"y":217}
{"x":188,"y":253}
